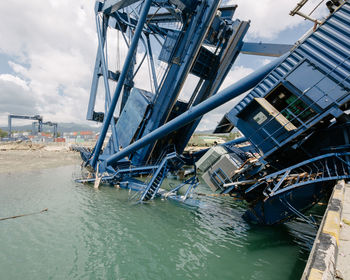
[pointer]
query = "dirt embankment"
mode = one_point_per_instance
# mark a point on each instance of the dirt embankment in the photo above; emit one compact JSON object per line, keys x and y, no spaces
{"x":25,"y":156}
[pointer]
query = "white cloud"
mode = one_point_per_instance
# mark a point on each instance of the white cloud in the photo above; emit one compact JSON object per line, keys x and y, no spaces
{"x":18,"y":68}
{"x":15,"y":80}
{"x":53,"y":46}
{"x":269,"y":17}
{"x":15,"y":97}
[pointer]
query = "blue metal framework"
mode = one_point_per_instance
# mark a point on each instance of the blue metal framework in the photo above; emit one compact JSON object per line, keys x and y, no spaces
{"x":293,"y":118}
{"x":324,"y":58}
{"x":178,"y":40}
{"x":194,"y":26}
{"x":285,"y":193}
{"x":328,"y":167}
{"x":291,"y":101}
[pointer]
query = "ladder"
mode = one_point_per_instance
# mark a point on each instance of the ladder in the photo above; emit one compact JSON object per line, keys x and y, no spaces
{"x":158,"y":177}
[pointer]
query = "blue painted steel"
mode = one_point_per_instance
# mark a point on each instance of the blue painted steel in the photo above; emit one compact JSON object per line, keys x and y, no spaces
{"x":277,"y":209}
{"x":323,"y":57}
{"x":104,"y":67}
{"x":97,"y":68}
{"x":211,"y":87}
{"x":128,"y":59}
{"x":157,"y":179}
{"x":150,"y":54}
{"x":206,"y":106}
{"x":332,"y":36}
{"x":182,"y":58}
{"x":134,"y":113}
{"x":123,"y":174}
{"x":283,"y":194}
{"x":265,"y":49}
{"x":236,"y":141}
{"x":291,"y":95}
{"x":110,"y":6}
{"x":198,"y":26}
{"x":219,"y":178}
{"x":191,"y":182}
{"x":340,"y":170}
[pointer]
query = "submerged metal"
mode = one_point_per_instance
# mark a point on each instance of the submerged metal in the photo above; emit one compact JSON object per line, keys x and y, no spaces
{"x":296,"y":100}
{"x":293,"y":118}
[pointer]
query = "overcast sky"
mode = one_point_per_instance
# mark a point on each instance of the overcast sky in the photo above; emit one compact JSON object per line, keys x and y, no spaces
{"x":48,"y":48}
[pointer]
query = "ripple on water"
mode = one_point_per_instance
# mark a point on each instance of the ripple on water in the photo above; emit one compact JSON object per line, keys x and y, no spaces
{"x":100,"y":234}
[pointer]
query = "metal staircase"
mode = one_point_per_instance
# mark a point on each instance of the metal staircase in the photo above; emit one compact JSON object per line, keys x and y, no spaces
{"x":158,"y":177}
{"x":328,"y":167}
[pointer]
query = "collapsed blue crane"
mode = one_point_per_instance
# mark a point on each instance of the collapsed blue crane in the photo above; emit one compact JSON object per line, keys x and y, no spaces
{"x":188,"y":47}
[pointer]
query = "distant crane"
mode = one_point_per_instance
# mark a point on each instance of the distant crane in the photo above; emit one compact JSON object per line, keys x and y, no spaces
{"x":35,"y":117}
{"x":49,"y":124}
{"x":54,"y":127}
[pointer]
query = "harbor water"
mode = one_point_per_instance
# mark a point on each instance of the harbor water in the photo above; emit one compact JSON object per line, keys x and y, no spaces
{"x":102,"y":234}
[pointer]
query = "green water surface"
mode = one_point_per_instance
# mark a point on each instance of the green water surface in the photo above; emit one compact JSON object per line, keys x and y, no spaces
{"x":101,"y":234}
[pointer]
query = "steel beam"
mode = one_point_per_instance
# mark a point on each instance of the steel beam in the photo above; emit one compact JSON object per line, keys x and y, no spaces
{"x":54,"y":127}
{"x":9,"y":126}
{"x":110,"y":6}
{"x":101,"y":42}
{"x":264,"y":49}
{"x":186,"y":50}
{"x":193,"y":113}
{"x":128,"y":60}
{"x":211,"y":87}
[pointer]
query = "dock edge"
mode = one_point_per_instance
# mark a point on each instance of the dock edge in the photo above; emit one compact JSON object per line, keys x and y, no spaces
{"x":323,"y":256}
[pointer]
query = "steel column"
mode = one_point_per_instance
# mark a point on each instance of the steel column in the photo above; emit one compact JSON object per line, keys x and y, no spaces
{"x":128,"y":60}
{"x":10,"y":127}
{"x":105,"y":78}
{"x":193,"y":113}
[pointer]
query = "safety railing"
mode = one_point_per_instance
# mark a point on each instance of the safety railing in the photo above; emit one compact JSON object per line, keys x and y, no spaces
{"x":288,"y":111}
{"x":329,"y":167}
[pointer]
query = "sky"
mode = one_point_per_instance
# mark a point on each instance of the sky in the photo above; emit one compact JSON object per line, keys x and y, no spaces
{"x":48,"y":50}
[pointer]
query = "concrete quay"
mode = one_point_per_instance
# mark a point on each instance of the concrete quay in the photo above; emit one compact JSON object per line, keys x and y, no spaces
{"x":343,"y":260}
{"x":330,"y":255}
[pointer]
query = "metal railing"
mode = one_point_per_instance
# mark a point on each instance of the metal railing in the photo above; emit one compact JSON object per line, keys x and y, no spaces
{"x":329,"y":167}
{"x":296,"y":118}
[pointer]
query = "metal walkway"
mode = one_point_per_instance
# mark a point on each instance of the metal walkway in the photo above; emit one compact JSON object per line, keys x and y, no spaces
{"x":329,"y":167}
